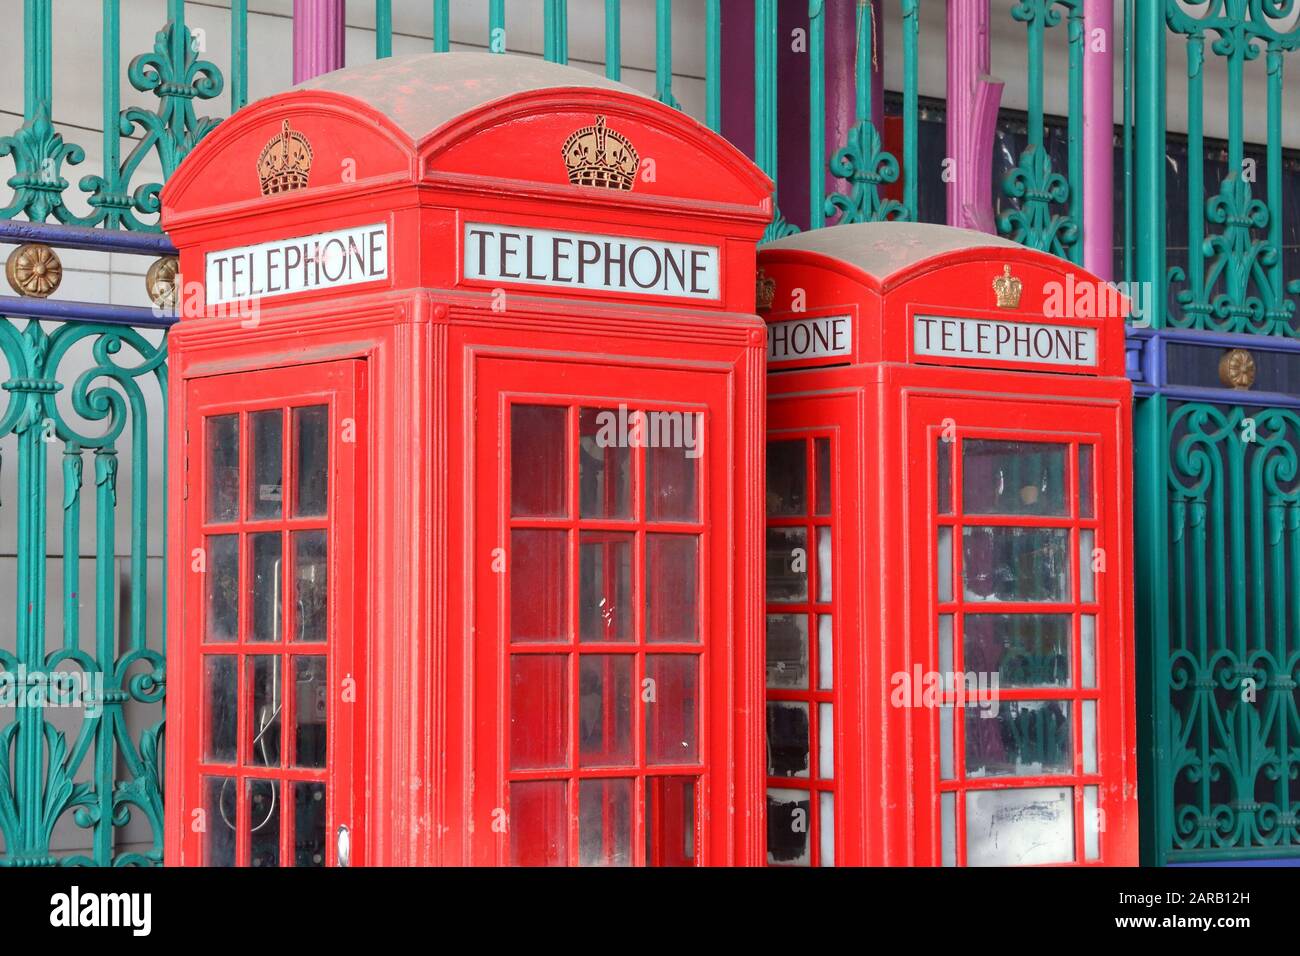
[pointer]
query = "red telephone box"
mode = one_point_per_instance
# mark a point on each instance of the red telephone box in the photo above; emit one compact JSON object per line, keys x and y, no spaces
{"x":467,"y":430}
{"x":949,"y":631}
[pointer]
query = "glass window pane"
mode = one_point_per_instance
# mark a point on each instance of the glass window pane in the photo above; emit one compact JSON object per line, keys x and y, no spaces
{"x":943,"y":469}
{"x":605,"y":823}
{"x":824,"y":575}
{"x":825,"y":651}
{"x":222,"y":622}
{"x":1091,"y":824}
{"x":1086,"y":507}
{"x":1013,"y":478}
{"x":670,"y":821}
{"x":787,"y":651}
{"x":1087,"y":577}
{"x":311,"y":479}
{"x":264,"y":822}
{"x":672,"y":600}
{"x":264,"y":728}
{"x":1089,"y":736}
{"x":1088,"y":644}
{"x":789,"y":821}
{"x":311,"y":710}
{"x":605,"y":610}
{"x":1019,"y":738}
{"x":1019,"y":827}
{"x":826,"y":827}
{"x":266,"y":471}
{"x":219,"y":838}
{"x":822,"y":451}
{"x":539,"y":585}
{"x":267,"y":585}
{"x":672,"y":713}
{"x":539,"y":823}
{"x":539,"y":711}
{"x":787,"y":564}
{"x":604,"y":466}
{"x":605,"y":710}
{"x":946,"y":664}
{"x":788,"y":740}
{"x":948,"y":828}
{"x":1016,"y":564}
{"x":221,"y":693}
{"x":825,"y":742}
{"x":309,"y":824}
{"x":947,"y":749}
{"x":311,"y":585}
{"x":222,"y":448}
{"x":1024,"y":650}
{"x":538,"y":461}
{"x":945,"y":563}
{"x":787,"y":478}
{"x":672,"y":466}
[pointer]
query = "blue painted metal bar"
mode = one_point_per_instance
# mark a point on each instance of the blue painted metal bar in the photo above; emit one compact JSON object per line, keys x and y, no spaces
{"x":84,"y":237}
{"x":132,"y":315}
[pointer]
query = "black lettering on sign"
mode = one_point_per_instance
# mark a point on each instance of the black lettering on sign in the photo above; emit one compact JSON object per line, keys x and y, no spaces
{"x":1000,"y":341}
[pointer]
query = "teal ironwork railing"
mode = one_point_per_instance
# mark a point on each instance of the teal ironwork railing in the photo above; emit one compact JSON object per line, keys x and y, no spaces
{"x":1217,"y":456}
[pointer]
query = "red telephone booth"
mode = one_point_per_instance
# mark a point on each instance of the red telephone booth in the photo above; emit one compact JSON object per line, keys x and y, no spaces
{"x":467,"y":432}
{"x":949,"y":631}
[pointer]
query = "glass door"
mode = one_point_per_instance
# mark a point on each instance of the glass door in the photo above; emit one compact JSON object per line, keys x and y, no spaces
{"x":600,"y":617}
{"x":271,"y":498}
{"x":1021,"y":691}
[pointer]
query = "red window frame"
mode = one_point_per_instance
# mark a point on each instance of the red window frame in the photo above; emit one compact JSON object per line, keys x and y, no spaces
{"x":818,"y":515}
{"x":339,"y":386}
{"x":690,"y":839}
{"x":935,"y":421}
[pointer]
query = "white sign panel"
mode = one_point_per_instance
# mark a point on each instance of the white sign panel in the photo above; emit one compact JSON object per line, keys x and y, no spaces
{"x":325,"y":260}
{"x":578,"y":260}
{"x":814,"y":338}
{"x":1031,"y":343}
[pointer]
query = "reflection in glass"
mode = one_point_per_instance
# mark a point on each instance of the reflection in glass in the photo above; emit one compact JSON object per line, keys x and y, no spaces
{"x":605,"y":710}
{"x":221,"y":679}
{"x":1089,"y":736}
{"x":1019,"y":738}
{"x":266,"y":586}
{"x":672,"y":714}
{"x":539,"y":823}
{"x":824,"y":575}
{"x":672,"y":469}
{"x":264,"y":821}
{"x":788,"y":824}
{"x":219,"y":802}
{"x":266,"y":472}
{"x":222,"y":444}
{"x":1019,"y":827}
{"x":788,"y":740}
{"x":605,"y":823}
{"x":539,"y":711}
{"x":945,"y":563}
{"x":670,"y":821}
{"x":1087,"y":577}
{"x":825,"y":652}
{"x":538,"y":440}
{"x":826,"y":827}
{"x":265,"y":726}
{"x":822,"y":451}
{"x":311,"y":435}
{"x":787,"y":478}
{"x":311,"y":711}
{"x":605,"y":608}
{"x":1088,"y":645}
{"x":787,"y":651}
{"x":946,"y":663}
{"x":309,"y":824}
{"x":825,"y":742}
{"x":1091,"y":824}
{"x":1024,"y":650}
{"x":539,"y":591}
{"x":1086,"y":508}
{"x":1013,"y":478}
{"x":787,"y":564}
{"x":947,"y":749}
{"x":311,"y":585}
{"x":222,"y":580}
{"x":948,"y":828}
{"x":604,"y":466}
{"x":1016,"y":564}
{"x":943,"y":468}
{"x":672,"y":602}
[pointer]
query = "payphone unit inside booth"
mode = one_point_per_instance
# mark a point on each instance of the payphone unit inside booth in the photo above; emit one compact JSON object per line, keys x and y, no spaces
{"x":949,"y":554}
{"x":469,"y":399}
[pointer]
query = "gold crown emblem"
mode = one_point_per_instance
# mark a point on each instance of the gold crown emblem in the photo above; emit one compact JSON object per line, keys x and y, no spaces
{"x":598,"y":156}
{"x":285,"y":162}
{"x":765,"y":290}
{"x":1007,"y":287}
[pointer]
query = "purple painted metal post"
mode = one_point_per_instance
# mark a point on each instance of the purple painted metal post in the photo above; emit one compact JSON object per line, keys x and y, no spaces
{"x":1099,"y":138}
{"x":973,"y":99}
{"x":318,"y":28}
